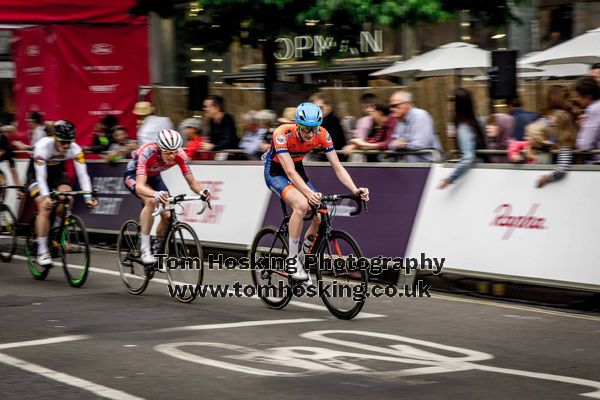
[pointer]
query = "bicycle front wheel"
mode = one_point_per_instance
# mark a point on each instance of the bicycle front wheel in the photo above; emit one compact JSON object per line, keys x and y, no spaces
{"x":186,"y":270}
{"x":133,"y":273}
{"x":8,"y":233}
{"x":74,"y":250}
{"x":344,"y":289}
{"x":268,"y":255}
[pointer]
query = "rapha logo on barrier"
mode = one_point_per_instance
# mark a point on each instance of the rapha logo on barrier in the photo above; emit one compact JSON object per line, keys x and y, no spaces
{"x":101,"y":49}
{"x":510,"y":222}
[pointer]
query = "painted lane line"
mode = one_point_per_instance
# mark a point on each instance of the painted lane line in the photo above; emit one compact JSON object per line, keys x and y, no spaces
{"x":70,"y":380}
{"x":39,"y":342}
{"x":241,"y":324}
{"x":163,"y":281}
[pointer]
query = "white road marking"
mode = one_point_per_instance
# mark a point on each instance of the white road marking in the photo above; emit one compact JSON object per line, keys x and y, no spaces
{"x":163,"y":281}
{"x":70,"y":380}
{"x":240,"y":324}
{"x":39,"y":342}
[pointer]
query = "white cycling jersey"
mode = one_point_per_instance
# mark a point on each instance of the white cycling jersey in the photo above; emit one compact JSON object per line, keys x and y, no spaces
{"x":45,"y":155}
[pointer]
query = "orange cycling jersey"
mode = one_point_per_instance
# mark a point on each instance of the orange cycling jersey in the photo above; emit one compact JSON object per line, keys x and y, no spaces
{"x":285,"y":140}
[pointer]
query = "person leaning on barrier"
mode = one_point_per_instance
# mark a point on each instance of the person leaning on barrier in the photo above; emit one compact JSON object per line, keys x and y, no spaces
{"x":149,"y":124}
{"x":364,"y":123}
{"x":469,"y":135}
{"x":122,"y":145}
{"x":222,"y":129}
{"x":564,"y":129}
{"x":378,"y":137}
{"x":191,"y":128}
{"x":414,"y":129}
{"x":535,"y":149}
{"x":256,"y":127}
{"x":588,"y":97}
{"x":498,"y":128}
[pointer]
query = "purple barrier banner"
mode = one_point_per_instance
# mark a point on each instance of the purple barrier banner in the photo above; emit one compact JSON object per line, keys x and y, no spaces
{"x":395,"y":195}
{"x":115,"y":203}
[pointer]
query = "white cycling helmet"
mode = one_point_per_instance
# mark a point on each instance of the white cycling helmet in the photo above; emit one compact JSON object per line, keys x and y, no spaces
{"x":169,"y":139}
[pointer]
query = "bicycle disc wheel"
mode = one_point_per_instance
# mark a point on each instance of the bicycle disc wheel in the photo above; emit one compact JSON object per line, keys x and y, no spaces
{"x":268,"y":256}
{"x":344,"y":289}
{"x":39,"y":273}
{"x":74,"y":250}
{"x":182,"y":244}
{"x":133,"y":273}
{"x":8,"y":233}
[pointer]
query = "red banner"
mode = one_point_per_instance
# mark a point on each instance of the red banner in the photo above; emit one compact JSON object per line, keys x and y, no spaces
{"x":88,"y":73}
{"x":65,"y":11}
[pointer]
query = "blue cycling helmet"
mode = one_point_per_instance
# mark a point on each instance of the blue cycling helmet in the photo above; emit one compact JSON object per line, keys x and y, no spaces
{"x":309,"y":114}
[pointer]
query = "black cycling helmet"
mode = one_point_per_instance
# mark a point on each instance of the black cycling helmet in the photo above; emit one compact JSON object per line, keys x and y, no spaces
{"x":64,"y":131}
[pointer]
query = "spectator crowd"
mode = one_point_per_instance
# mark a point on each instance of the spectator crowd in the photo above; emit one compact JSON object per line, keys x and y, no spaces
{"x":392,"y":130}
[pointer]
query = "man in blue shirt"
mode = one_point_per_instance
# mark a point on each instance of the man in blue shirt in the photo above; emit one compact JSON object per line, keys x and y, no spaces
{"x":414,"y":129}
{"x":522,"y":118}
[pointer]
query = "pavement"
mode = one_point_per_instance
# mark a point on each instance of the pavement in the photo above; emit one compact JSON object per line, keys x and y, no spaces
{"x":58,"y":342}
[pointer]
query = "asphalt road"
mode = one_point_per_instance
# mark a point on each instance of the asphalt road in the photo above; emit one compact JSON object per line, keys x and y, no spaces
{"x":57,"y":342}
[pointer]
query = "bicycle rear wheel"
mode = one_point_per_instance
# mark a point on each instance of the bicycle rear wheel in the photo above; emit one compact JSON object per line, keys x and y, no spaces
{"x":268,"y":256}
{"x":74,"y":250}
{"x":39,"y":273}
{"x":182,"y":243}
{"x":347,"y":288}
{"x":8,"y":233}
{"x":133,"y":273}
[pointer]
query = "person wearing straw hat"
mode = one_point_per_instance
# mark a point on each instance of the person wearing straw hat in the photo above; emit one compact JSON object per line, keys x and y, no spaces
{"x":150,"y":124}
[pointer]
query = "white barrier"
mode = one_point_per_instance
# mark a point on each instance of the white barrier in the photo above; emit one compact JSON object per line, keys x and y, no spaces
{"x":495,"y":222}
{"x":240,"y":200}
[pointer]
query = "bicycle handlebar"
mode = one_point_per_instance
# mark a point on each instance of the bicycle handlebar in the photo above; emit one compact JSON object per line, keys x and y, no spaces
{"x":12,"y":187}
{"x":335,"y":197}
{"x":180,"y":199}
{"x":55,"y":193}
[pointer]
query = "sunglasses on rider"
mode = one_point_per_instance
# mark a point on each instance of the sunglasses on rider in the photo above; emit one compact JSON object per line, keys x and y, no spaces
{"x":310,"y":129}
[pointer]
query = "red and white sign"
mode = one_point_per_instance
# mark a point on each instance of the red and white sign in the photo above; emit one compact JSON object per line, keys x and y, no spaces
{"x":81,"y":73}
{"x":494,"y":221}
{"x":240,"y":200}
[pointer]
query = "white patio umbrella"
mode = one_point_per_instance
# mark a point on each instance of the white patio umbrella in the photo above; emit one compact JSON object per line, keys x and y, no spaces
{"x":550,"y":71}
{"x":583,"y":49}
{"x":457,"y":58}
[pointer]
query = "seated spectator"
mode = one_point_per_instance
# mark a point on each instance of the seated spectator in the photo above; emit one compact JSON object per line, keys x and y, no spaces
{"x":563,"y":127}
{"x":287,"y":116}
{"x":363,"y":125}
{"x":522,"y":118}
{"x":379,"y":136}
{"x":469,"y":134}
{"x":102,"y":135}
{"x":535,"y":148}
{"x":35,"y":124}
{"x":122,"y":145}
{"x":414,"y":128}
{"x":330,"y":120}
{"x":192,"y":130}
{"x":498,"y":128}
{"x":256,"y":128}
{"x":588,"y":97}
{"x":222,"y":131}
{"x":149,"y":124}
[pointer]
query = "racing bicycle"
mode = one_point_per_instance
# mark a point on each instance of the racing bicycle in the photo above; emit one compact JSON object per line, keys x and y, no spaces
{"x":332,"y":249}
{"x":69,"y":242}
{"x":181,"y":243}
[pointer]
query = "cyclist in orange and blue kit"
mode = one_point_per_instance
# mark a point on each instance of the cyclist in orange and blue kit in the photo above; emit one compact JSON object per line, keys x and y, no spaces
{"x":285,"y":174}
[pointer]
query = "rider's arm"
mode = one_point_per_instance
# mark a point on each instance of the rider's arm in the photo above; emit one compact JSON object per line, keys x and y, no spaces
{"x":194,"y":185}
{"x":142,"y":188}
{"x":39,"y":166}
{"x":340,"y":172}
{"x":290,"y":170}
{"x":81,"y":170}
